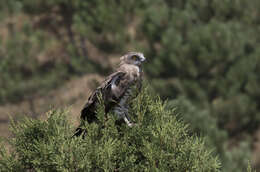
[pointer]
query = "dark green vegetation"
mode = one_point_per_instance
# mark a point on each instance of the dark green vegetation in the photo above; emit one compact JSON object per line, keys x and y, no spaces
{"x":202,"y":55}
{"x":159,"y":142}
{"x":39,"y":49}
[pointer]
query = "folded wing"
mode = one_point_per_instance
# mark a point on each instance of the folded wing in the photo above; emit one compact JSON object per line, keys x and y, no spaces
{"x":111,"y":90}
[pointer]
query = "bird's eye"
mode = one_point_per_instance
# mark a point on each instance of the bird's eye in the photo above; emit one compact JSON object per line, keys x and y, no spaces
{"x":135,"y":58}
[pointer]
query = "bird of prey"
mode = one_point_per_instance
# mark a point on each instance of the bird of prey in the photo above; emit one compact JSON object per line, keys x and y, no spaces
{"x":116,"y":91}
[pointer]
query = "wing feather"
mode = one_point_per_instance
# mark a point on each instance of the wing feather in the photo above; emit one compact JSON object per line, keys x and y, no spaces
{"x":112,"y":89}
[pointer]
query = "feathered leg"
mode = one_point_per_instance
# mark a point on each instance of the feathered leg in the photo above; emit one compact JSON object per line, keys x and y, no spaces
{"x":123,"y":114}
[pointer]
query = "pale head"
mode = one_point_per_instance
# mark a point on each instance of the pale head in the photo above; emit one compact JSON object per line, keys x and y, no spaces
{"x":134,"y":58}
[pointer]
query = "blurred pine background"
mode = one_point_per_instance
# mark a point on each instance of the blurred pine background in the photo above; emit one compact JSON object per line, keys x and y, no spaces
{"x":202,"y":57}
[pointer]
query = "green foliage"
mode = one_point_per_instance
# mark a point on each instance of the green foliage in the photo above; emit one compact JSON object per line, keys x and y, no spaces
{"x":160,"y":142}
{"x":101,"y":22}
{"x":203,"y":124}
{"x":210,"y":57}
{"x":249,"y":168}
{"x":204,"y":54}
{"x":21,"y":73}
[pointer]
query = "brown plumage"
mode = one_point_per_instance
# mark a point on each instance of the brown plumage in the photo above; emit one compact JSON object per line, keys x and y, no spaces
{"x":116,"y":90}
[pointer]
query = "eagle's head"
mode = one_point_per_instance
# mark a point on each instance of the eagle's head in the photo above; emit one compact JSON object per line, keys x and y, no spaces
{"x":134,"y":58}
